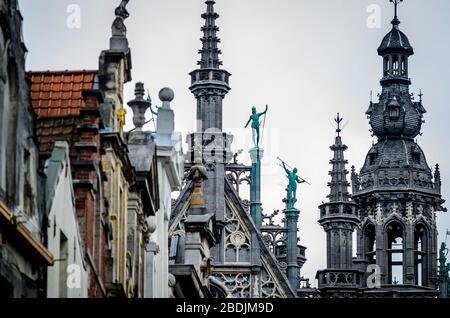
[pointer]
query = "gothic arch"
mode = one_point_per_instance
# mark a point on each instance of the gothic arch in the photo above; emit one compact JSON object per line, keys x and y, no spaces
{"x":421,"y":253}
{"x":217,"y":289}
{"x":394,"y":237}
{"x":394,"y":217}
{"x":369,"y":241}
{"x":421,"y":219}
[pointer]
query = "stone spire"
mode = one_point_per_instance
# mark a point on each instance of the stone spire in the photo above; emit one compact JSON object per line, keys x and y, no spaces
{"x":437,"y":179}
{"x":210,"y":51}
{"x":209,"y":82}
{"x":209,"y":145}
{"x":339,"y":217}
{"x":339,"y":184}
{"x":395,"y":185}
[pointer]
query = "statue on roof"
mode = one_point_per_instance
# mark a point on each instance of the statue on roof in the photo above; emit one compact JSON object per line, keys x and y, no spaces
{"x":443,"y":251}
{"x":121,"y":10}
{"x":293,"y":179}
{"x":149,"y":99}
{"x":256,"y":123}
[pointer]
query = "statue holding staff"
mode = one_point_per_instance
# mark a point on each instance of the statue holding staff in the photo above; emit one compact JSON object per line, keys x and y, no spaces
{"x":256,"y":123}
{"x":293,"y":179}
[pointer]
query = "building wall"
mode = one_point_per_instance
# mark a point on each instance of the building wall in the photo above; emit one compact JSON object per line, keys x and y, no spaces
{"x":160,"y":236}
{"x":170,"y":173}
{"x":19,"y":179}
{"x":67,"y":278}
{"x":116,"y":194}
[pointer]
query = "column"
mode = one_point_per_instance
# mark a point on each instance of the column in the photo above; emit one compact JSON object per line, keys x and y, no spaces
{"x":256,"y":155}
{"x":408,"y":260}
{"x":291,"y":248}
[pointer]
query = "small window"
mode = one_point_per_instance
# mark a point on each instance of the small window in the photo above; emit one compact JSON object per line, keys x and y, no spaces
{"x":395,"y":64}
{"x":27,"y":189}
{"x":372,"y":158}
{"x":394,"y":113}
{"x":416,"y":157}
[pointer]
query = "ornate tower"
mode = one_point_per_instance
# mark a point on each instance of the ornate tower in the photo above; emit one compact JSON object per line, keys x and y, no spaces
{"x":339,"y":220}
{"x":395,"y":190}
{"x":338,"y":215}
{"x":209,"y":86}
{"x":209,"y":83}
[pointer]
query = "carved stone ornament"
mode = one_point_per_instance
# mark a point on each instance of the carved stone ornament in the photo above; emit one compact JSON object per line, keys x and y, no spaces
{"x":237,"y":238}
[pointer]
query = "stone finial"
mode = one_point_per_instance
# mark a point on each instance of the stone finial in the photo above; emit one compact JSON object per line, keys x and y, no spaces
{"x":139,"y":106}
{"x":166,"y":116}
{"x":166,"y":95}
{"x":355,"y":180}
{"x":437,"y":179}
{"x":198,"y":154}
{"x":210,"y":51}
{"x":198,"y":174}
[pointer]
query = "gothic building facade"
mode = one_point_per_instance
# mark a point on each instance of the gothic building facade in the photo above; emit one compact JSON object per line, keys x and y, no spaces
{"x":395,"y":197}
{"x":24,"y":256}
{"x":86,"y":208}
{"x":82,"y":212}
{"x":241,"y":254}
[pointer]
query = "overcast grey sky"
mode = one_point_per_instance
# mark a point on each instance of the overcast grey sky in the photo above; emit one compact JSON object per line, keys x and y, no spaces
{"x":306,"y":59}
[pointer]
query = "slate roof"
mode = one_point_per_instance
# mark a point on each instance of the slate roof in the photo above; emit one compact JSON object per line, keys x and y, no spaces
{"x":395,"y":41}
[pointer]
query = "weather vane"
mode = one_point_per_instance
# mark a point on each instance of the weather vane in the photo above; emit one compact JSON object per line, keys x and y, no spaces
{"x":395,"y":2}
{"x":338,"y":121}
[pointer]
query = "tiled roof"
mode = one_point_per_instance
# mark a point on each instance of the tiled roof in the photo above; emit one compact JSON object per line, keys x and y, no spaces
{"x":59,"y":93}
{"x":50,"y":129}
{"x":57,"y":98}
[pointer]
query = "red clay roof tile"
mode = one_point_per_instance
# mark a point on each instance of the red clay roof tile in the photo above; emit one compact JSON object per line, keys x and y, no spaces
{"x":60,"y":93}
{"x":57,"y":99}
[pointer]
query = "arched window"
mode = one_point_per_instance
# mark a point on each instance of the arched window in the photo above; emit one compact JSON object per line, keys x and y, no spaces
{"x":370,"y":243}
{"x":176,"y":248}
{"x":395,"y":250}
{"x":217,"y":291}
{"x":395,"y":64}
{"x":404,"y":71}
{"x":420,"y":255}
{"x":237,"y":239}
{"x":386,"y":66}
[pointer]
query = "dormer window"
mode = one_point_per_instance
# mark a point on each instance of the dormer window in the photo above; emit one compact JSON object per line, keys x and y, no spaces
{"x":394,"y":113}
{"x":373,"y":154}
{"x":415,"y":154}
{"x":394,"y":109}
